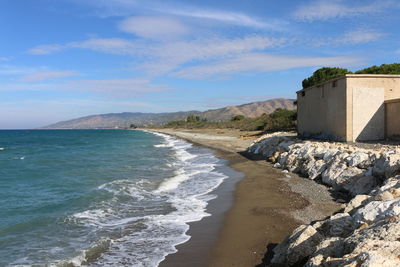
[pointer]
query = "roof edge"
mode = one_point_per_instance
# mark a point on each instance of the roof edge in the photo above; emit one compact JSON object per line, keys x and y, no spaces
{"x":352,"y":76}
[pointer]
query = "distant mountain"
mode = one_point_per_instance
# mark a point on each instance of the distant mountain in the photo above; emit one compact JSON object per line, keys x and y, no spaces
{"x":250,"y":110}
{"x":112,"y":120}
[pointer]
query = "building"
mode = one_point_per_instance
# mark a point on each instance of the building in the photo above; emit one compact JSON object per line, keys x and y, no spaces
{"x":354,"y":107}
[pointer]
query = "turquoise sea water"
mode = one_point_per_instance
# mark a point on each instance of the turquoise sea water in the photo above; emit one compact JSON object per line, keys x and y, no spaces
{"x":99,"y":197}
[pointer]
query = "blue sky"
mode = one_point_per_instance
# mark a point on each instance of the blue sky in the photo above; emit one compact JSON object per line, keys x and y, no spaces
{"x":70,"y":58}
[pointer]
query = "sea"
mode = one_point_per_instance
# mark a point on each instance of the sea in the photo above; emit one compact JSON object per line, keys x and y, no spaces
{"x":100,"y":197}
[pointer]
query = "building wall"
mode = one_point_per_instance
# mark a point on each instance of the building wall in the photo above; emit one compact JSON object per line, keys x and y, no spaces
{"x":392,"y":109}
{"x":390,"y":83}
{"x":365,"y":105}
{"x":322,"y":110}
{"x":368,"y":114}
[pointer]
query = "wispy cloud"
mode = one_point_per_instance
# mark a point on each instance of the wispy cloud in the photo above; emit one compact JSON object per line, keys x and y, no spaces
{"x":106,"y":8}
{"x":116,"y":87}
{"x":105,"y":45}
{"x":326,"y":10}
{"x":258,"y":63}
{"x":235,"y":18}
{"x":159,"y":58}
{"x":360,"y":37}
{"x":45,"y":49}
{"x":5,"y":58}
{"x":167,"y":57}
{"x":154,"y":27}
{"x":111,"y":87}
{"x":47,"y":75}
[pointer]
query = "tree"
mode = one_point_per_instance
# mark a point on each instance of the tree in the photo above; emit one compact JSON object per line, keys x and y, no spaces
{"x":324,"y":74}
{"x":281,"y":120}
{"x":237,"y":118}
{"x":382,"y":69}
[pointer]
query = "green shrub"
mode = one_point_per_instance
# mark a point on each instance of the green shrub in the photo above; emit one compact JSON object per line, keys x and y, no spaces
{"x":324,"y":74}
{"x":382,"y":69}
{"x":237,"y":118}
{"x":281,"y":120}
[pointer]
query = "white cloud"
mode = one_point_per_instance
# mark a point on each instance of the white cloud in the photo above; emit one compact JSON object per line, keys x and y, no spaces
{"x":154,"y":27}
{"x":360,"y":37}
{"x":47,"y":75}
{"x":110,"y":87}
{"x":115,"y":87}
{"x":326,"y":10}
{"x":258,"y":63}
{"x":106,"y":8}
{"x":5,"y":58}
{"x":106,"y":45}
{"x":234,"y":18}
{"x":45,"y":49}
{"x":167,"y":57}
{"x":159,"y":58}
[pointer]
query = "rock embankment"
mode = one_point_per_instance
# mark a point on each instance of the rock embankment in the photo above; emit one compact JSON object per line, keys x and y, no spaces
{"x":366,"y":232}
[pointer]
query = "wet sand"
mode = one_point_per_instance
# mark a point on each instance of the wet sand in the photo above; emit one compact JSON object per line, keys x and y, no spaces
{"x":251,"y":214}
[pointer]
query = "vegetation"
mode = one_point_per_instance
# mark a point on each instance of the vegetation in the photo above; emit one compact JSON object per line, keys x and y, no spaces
{"x":195,"y":119}
{"x":323,"y":74}
{"x":237,"y":118}
{"x":280,"y":120}
{"x":382,"y":69}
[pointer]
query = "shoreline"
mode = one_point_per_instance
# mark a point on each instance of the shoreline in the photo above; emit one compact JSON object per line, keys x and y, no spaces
{"x":261,"y":209}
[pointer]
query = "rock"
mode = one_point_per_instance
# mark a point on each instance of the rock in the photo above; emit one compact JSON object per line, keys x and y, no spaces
{"x":377,"y":210}
{"x":308,"y":162}
{"x":284,"y":146}
{"x":295,"y":248}
{"x":356,"y":202}
{"x":387,"y":165}
{"x":282,"y":159}
{"x":332,"y":173}
{"x":331,"y":247}
{"x":293,"y":163}
{"x":277,"y":165}
{"x":338,"y":174}
{"x":391,"y":185}
{"x":316,"y":169}
{"x":359,"y":160}
{"x":360,"y":184}
{"x":340,"y":225}
{"x":376,"y":245}
{"x":330,"y":154}
{"x":375,"y":253}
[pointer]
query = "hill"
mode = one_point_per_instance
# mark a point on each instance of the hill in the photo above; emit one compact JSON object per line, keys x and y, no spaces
{"x":112,"y":120}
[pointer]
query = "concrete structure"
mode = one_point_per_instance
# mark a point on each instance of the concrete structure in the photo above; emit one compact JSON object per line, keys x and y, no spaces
{"x":354,"y":107}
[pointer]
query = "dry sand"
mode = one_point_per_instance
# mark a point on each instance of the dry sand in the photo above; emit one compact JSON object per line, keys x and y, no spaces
{"x":262,"y":208}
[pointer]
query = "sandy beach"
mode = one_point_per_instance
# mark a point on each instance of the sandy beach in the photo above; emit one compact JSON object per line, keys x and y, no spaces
{"x":253,"y":211}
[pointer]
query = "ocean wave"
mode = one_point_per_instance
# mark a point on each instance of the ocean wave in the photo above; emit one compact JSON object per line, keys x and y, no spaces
{"x":144,"y":225}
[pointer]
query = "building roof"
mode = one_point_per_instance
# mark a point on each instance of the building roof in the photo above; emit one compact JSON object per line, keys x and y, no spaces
{"x":352,"y":76}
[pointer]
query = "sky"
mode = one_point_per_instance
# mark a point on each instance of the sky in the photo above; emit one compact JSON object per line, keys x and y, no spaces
{"x":70,"y":58}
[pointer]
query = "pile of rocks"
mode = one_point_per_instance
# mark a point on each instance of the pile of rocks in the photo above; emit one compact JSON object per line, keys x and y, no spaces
{"x":367,"y":230}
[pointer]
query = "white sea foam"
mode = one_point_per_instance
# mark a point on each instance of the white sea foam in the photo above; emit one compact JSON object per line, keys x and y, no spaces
{"x":2,"y":148}
{"x":146,"y":239}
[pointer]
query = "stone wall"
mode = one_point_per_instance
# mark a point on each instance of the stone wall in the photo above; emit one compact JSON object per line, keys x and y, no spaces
{"x":366,"y":232}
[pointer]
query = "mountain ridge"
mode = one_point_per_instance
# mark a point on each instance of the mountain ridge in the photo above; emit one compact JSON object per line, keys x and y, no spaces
{"x":125,"y":119}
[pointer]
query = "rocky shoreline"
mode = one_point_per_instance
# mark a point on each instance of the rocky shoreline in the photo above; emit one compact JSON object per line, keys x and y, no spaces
{"x":366,"y":231}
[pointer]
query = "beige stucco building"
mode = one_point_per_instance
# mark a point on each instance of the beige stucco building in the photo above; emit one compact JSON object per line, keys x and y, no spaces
{"x":354,"y":107}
